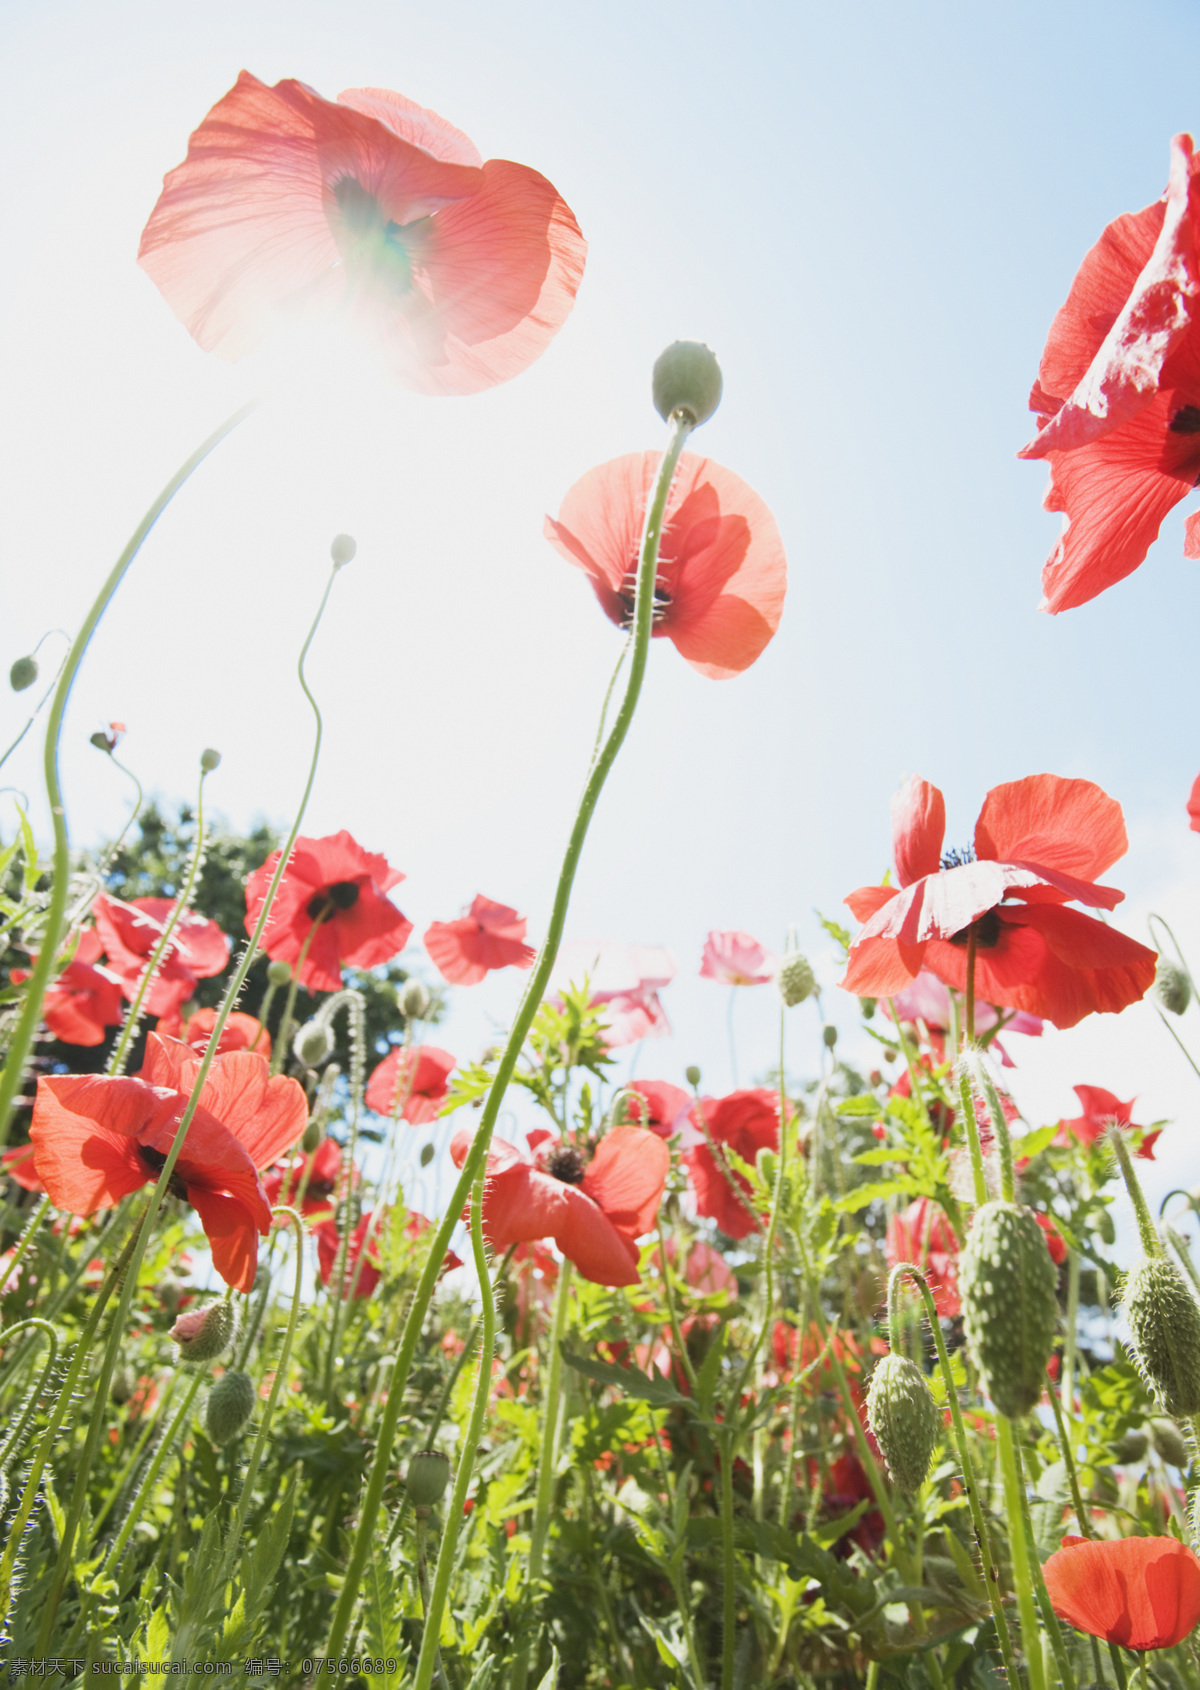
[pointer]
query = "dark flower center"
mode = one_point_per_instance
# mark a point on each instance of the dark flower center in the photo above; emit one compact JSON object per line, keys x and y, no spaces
{"x":662,"y":603}
{"x":987,"y":931}
{"x":342,"y":895}
{"x":565,"y":1164}
{"x":156,"y":1162}
{"x":957,"y":858}
{"x":1186,"y":420}
{"x":365,"y":239}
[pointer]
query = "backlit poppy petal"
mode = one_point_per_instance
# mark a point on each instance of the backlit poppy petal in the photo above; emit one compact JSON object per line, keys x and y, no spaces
{"x":918,"y":829}
{"x":415,"y":1080}
{"x":488,"y":936}
{"x":266,"y":1113}
{"x":232,"y":1235}
{"x":626,"y":1177}
{"x":84,"y":1136}
{"x":588,"y":1237}
{"x":736,"y":959}
{"x":1070,"y":825}
{"x":1140,"y":1592}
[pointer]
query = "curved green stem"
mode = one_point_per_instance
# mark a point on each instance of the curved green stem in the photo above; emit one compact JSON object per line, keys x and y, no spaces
{"x":1151,"y":1242}
{"x":355,"y":1005}
{"x":1008,"y":1178}
{"x":728,"y":1564}
{"x":13,"y":1441}
{"x":43,"y":969}
{"x":539,"y":977}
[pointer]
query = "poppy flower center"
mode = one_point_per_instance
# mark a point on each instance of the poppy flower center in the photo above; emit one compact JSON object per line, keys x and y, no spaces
{"x":958,"y":857}
{"x":565,"y":1164}
{"x":365,"y":239}
{"x":156,"y":1162}
{"x":342,"y":895}
{"x":987,"y":931}
{"x":662,"y":603}
{"x":1186,"y":420}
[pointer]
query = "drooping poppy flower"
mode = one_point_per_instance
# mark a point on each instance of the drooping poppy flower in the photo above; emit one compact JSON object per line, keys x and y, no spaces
{"x":130,"y":932}
{"x":489,"y":936}
{"x":85,"y":999}
{"x":240,"y":1032}
{"x":922,"y":1235}
{"x":594,"y":1211}
{"x":1039,"y":841}
{"x":657,"y":1105}
{"x":1099,"y":1108}
{"x":927,"y":1001}
{"x":413,"y":1081}
{"x":722,"y":574}
{"x":747,"y":1121}
{"x":736,"y":959}
{"x":460,"y":272}
{"x":1118,"y":393}
{"x":1139,"y":1592}
{"x":316,"y":1176}
{"x":331,"y":906}
{"x":97,"y":1138}
{"x":625,"y":981}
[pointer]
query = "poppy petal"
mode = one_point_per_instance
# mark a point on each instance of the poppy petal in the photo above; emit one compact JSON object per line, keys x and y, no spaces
{"x":918,"y":829}
{"x":266,"y":1113}
{"x":626,"y":1177}
{"x":587,"y":1236}
{"x":1070,"y":825}
{"x":84,"y":1136}
{"x":232,"y":1235}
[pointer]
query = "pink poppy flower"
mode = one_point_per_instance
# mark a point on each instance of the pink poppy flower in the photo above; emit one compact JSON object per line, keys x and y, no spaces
{"x":460,"y":272}
{"x":1118,"y":393}
{"x":1193,"y":806}
{"x":927,"y":1000}
{"x":594,"y":1211}
{"x":489,"y":936}
{"x":736,"y":959}
{"x":656,"y":1105}
{"x":722,"y":574}
{"x":130,"y":932}
{"x":416,"y":1078}
{"x":1099,"y":1108}
{"x":625,"y":981}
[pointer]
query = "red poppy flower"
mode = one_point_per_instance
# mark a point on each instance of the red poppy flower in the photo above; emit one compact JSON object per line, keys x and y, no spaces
{"x":593,"y":1211}
{"x":18,"y":1164}
{"x":1118,"y":393}
{"x":1193,"y":806}
{"x":461,"y":271}
{"x":283,"y":1182}
{"x":1099,"y":1108}
{"x":418,"y":1079}
{"x":240,"y":1032}
{"x":722,"y":573}
{"x":369,"y":1275}
{"x":1041,"y":840}
{"x":84,"y":1000}
{"x":489,"y":936}
{"x":747,"y":1121}
{"x":1056,"y":1244}
{"x":1141,"y":1592}
{"x":96,"y":1138}
{"x":922,"y":1235}
{"x":335,"y":887}
{"x":736,"y":959}
{"x":657,"y":1105}
{"x":130,"y":932}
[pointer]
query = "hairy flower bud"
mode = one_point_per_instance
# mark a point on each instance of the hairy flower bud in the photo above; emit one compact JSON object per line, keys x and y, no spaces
{"x":686,"y":378}
{"x":796,"y":979}
{"x":1172,"y":986}
{"x":279,"y":973}
{"x":314,"y":1132}
{"x":342,"y":550}
{"x":1164,"y":1322}
{"x":1169,"y":1442}
{"x":124,"y":1384}
{"x":415,"y":1000}
{"x":427,"y":1477}
{"x":313,"y":1043}
{"x":692,"y":1076}
{"x":230,"y":1405}
{"x":1008,"y":1287}
{"x":202,"y":1334}
{"x":23,"y":673}
{"x":1133,"y":1444}
{"x":210,"y":760}
{"x":905,"y":1420}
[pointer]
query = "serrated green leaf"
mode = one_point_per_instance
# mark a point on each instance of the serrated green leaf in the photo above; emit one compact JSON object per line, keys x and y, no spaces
{"x":877,"y":1192}
{"x":158,"y":1635}
{"x":647,"y":1387}
{"x":710,"y":1372}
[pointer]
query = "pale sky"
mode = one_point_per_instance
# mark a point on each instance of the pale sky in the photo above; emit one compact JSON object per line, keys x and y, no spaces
{"x":871,"y":214}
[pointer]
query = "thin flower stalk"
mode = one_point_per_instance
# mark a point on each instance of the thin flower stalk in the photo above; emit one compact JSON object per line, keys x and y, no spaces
{"x":16,"y":1436}
{"x":355,"y":1006}
{"x":538,"y":980}
{"x":1081,"y":1513}
{"x":1014,"y":1505}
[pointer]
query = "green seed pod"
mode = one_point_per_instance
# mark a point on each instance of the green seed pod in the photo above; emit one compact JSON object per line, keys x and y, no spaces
{"x":343,"y":550}
{"x":279,"y":973}
{"x":202,"y":1334}
{"x":314,"y":1132}
{"x":1008,"y":1287}
{"x":1133,"y":1444}
{"x":124,"y":1384}
{"x":1172,"y":986}
{"x":692,"y":1076}
{"x":210,"y":760}
{"x":1169,"y":1441}
{"x":313,"y":1043}
{"x":415,"y":1000}
{"x":866,"y":1008}
{"x":427,"y":1477}
{"x":905,"y":1420}
{"x":1164,"y":1322}
{"x":796,"y":979}
{"x":427,"y":1155}
{"x":686,"y":378}
{"x":829,"y":1035}
{"x":23,"y":673}
{"x":230,"y":1405}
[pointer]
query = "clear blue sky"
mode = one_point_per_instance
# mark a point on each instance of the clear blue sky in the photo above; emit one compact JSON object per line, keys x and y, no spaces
{"x":871,"y":212}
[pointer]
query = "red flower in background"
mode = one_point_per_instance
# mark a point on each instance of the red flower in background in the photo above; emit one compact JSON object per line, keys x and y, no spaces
{"x":98,"y":1138}
{"x":18,"y":1164}
{"x":657,"y":1105}
{"x":417,"y":1080}
{"x":240,"y":1032}
{"x":1042,"y":841}
{"x":284,"y":1182}
{"x":130,"y":932}
{"x":1056,"y":1244}
{"x":722,"y":574}
{"x":736,"y":959}
{"x":84,"y":1000}
{"x":489,"y":936}
{"x":1140,"y":1592}
{"x":335,"y":887}
{"x":370,"y":206}
{"x":1193,"y":806}
{"x":927,"y":1001}
{"x":593,"y":1211}
{"x":359,"y":1280}
{"x":1118,"y":393}
{"x":1099,"y":1108}
{"x":922,"y":1235}
{"x":747,"y":1121}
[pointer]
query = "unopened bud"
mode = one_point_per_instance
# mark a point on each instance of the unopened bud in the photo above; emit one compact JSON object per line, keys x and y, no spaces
{"x":124,"y":1384}
{"x":692,"y":1075}
{"x":905,"y":1420}
{"x":210,"y":760}
{"x":23,"y":673}
{"x":796,"y":979}
{"x":101,"y":741}
{"x":279,"y":973}
{"x":1009,"y":1291}
{"x":1168,"y":1440}
{"x":1164,"y":1322}
{"x":202,"y":1334}
{"x":829,"y":1035}
{"x":867,"y":1008}
{"x":314,"y":1132}
{"x":1172,"y":986}
{"x":426,"y":1156}
{"x":686,"y":378}
{"x":313,"y":1043}
{"x":427,"y":1477}
{"x":890,"y":1053}
{"x":415,"y":1000}
{"x":1133,"y":1444}
{"x":342,"y":550}
{"x":230,"y":1405}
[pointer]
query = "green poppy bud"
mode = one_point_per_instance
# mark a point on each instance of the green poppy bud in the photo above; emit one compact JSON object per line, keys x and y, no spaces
{"x":829,"y":1035}
{"x":796,"y":979}
{"x":313,"y":1043}
{"x":1172,"y":986}
{"x":427,"y":1477}
{"x":342,"y":550}
{"x":905,"y":1420}
{"x":230,"y":1405}
{"x":415,"y":1000}
{"x":23,"y":673}
{"x":279,"y":973}
{"x":314,"y":1132}
{"x":692,"y":1076}
{"x":202,"y":1334}
{"x":1169,"y":1442}
{"x":1133,"y":1444}
{"x":210,"y":760}
{"x":1164,"y":1322}
{"x":686,"y":378}
{"x":124,"y":1384}
{"x":426,"y":1156}
{"x":1008,"y":1287}
{"x":866,"y":1007}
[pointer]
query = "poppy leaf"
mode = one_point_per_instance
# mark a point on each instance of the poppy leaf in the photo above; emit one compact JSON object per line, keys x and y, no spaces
{"x":647,"y":1387}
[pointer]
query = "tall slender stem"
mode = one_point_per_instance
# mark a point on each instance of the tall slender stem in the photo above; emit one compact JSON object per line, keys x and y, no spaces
{"x":1151,"y":1242}
{"x":477,"y":1155}
{"x":728,"y":1562}
{"x":1010,"y":1471}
